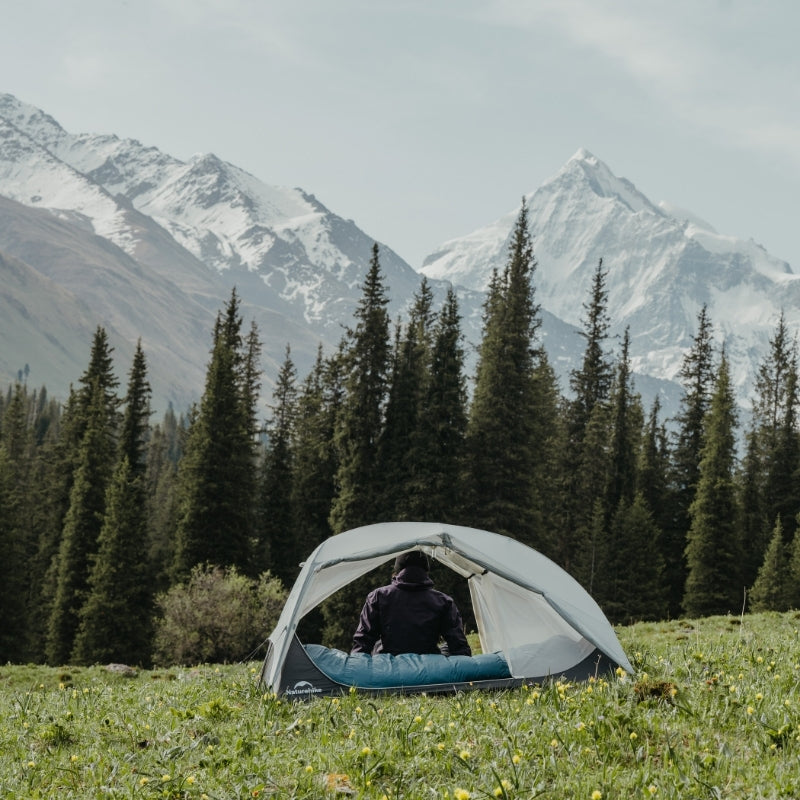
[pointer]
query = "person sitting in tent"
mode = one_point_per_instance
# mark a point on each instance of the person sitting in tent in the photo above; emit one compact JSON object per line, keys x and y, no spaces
{"x":409,"y":615}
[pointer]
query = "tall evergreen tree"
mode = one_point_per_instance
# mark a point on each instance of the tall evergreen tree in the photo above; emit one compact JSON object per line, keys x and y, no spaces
{"x":361,"y":416}
{"x":164,"y":452}
{"x":115,"y":620}
{"x":697,"y":378}
{"x":278,"y":543}
{"x":217,"y":475}
{"x":17,"y":542}
{"x":713,"y":549}
{"x":81,"y":529}
{"x":314,"y":465}
{"x":435,"y":487}
{"x":584,"y":467}
{"x":773,"y":450}
{"x":771,"y":591}
{"x":501,"y":449}
{"x":399,"y":441}
{"x":358,"y":429}
{"x":635,"y":588}
{"x":626,"y":433}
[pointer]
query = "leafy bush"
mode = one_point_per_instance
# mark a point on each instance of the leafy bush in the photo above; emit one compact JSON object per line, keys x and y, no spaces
{"x":217,"y":616}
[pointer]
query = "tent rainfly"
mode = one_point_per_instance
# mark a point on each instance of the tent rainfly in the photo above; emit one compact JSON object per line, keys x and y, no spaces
{"x":528,"y":610}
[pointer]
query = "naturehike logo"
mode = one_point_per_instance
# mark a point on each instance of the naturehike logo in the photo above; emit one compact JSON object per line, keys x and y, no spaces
{"x":303,"y":687}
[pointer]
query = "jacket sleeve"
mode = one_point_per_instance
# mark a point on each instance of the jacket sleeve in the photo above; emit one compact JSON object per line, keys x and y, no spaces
{"x":453,"y":632}
{"x":368,"y":630}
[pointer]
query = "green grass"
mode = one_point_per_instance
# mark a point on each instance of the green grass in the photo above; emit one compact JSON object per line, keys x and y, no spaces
{"x":713,"y":711}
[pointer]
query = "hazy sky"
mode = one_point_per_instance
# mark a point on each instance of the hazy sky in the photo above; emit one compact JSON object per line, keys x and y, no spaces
{"x":423,"y":119}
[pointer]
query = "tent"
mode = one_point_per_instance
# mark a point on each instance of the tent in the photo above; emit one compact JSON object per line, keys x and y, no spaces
{"x":530,"y":613}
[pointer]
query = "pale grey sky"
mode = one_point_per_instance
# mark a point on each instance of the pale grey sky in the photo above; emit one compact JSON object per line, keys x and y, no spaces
{"x":423,"y":119}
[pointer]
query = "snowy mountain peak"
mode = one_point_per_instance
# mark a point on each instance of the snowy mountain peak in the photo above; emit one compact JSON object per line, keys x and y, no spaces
{"x":663,"y":265}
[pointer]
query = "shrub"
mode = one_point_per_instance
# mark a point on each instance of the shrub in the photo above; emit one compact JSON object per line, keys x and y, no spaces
{"x":218,"y":615}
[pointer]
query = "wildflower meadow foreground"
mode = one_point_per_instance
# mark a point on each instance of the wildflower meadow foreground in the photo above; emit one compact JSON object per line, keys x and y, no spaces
{"x":712,"y":711}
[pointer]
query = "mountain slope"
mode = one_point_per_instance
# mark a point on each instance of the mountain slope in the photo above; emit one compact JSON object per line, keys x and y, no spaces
{"x":662,"y":266}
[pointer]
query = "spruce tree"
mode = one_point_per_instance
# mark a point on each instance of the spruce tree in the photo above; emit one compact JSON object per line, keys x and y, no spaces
{"x":697,"y":378}
{"x":584,"y":468}
{"x":358,"y":429}
{"x":773,"y":449}
{"x":314,"y":464}
{"x":501,"y":446}
{"x":635,"y":566}
{"x":217,"y":475}
{"x":435,"y":486}
{"x":17,"y":537}
{"x":399,"y":441}
{"x":278,"y":542}
{"x":115,"y":621}
{"x":771,"y":591}
{"x":360,"y":420}
{"x":81,"y":530}
{"x":713,"y":549}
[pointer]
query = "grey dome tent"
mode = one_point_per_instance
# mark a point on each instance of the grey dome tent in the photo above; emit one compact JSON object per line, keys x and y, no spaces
{"x":538,"y":619}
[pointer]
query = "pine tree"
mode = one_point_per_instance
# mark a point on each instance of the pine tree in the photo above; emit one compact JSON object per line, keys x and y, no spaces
{"x":713,"y":549}
{"x":81,"y":529}
{"x":17,"y":542}
{"x":435,"y":487}
{"x":770,"y":592}
{"x":165,"y":450}
{"x":314,"y":465}
{"x":278,"y":537}
{"x":12,"y":571}
{"x":584,"y":467}
{"x":793,"y":573}
{"x":115,"y":620}
{"x":399,"y":441}
{"x":626,"y":433}
{"x":501,"y":448}
{"x":217,"y":475}
{"x":773,"y":450}
{"x":361,"y":416}
{"x":358,"y":429}
{"x":697,"y":377}
{"x":635,"y":566}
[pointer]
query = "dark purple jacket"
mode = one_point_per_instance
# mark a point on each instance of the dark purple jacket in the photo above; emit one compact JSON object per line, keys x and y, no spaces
{"x":410,"y":616}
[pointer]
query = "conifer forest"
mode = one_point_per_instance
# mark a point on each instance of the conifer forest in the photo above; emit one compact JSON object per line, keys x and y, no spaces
{"x":106,"y":512}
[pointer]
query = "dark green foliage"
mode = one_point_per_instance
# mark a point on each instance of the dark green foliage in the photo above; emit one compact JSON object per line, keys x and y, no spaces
{"x":81,"y":530}
{"x":584,"y":466}
{"x":217,"y":615}
{"x":12,"y":572}
{"x":633,"y":579}
{"x":434,"y":488}
{"x":400,"y":440}
{"x":771,"y":590}
{"x":713,"y":549}
{"x":358,"y":429}
{"x":115,"y":620}
{"x":217,"y":475}
{"x":315,"y":465}
{"x":770,"y":487}
{"x":697,"y":378}
{"x":278,"y":546}
{"x":502,"y":447}
{"x":360,"y":419}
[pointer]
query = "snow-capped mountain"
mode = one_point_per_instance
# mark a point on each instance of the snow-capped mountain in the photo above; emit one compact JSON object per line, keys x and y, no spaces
{"x":97,"y":229}
{"x":662,"y":264}
{"x":168,"y":241}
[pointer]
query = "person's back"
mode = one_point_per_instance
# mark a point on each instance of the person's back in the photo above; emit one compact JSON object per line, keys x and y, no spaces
{"x":410,"y":615}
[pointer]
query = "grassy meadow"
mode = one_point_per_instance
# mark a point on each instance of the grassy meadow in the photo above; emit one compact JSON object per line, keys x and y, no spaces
{"x":712,"y":711}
